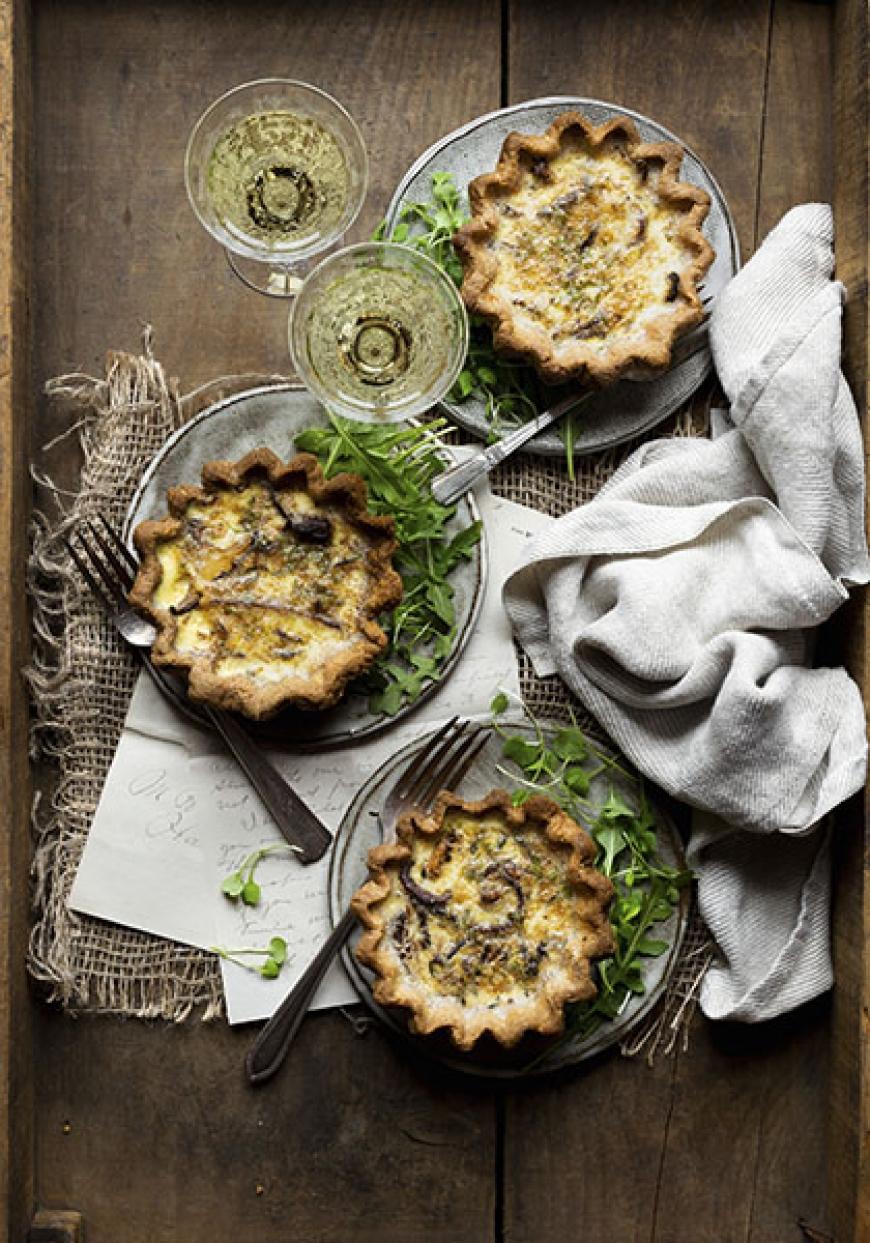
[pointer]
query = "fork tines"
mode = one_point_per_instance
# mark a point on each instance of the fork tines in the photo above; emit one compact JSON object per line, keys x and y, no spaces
{"x":104,"y":563}
{"x":455,"y":752}
{"x":122,"y":560}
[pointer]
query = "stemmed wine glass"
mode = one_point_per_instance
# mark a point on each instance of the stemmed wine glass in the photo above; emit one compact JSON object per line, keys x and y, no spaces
{"x":277,"y":171}
{"x":378,"y":332}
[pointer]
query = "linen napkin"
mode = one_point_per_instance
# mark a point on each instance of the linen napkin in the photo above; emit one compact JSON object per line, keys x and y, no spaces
{"x":680,"y":606}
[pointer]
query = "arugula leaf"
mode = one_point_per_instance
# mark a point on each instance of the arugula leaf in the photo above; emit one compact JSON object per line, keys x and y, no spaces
{"x":523,"y":753}
{"x":274,"y":956}
{"x":611,"y":841}
{"x":278,"y":949}
{"x":251,"y":893}
{"x":233,"y":885}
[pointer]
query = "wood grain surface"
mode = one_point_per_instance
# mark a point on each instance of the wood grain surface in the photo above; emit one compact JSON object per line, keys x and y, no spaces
{"x":148,"y":1130}
{"x":849,"y":1139}
{"x":16,"y":1062}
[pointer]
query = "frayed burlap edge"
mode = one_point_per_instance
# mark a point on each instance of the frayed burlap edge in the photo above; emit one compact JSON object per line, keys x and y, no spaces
{"x":81,"y":680}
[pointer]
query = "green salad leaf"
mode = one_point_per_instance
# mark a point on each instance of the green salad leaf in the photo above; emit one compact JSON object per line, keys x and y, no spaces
{"x":625,"y":831}
{"x":398,"y":464}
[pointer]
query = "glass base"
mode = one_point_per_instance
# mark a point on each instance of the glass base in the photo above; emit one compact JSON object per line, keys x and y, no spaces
{"x":274,"y":279}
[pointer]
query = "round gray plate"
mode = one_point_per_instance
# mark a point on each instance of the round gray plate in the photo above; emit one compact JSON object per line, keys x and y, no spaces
{"x":272,"y":416}
{"x":627,"y":408}
{"x":360,"y":830}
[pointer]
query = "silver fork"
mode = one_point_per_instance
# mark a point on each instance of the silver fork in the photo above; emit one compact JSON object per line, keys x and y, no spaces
{"x":109,"y":568}
{"x":454,"y":482}
{"x":443,"y":763}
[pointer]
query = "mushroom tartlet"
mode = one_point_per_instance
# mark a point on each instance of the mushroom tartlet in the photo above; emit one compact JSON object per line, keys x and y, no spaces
{"x":484,"y":917}
{"x":265,"y":583}
{"x":584,"y":250}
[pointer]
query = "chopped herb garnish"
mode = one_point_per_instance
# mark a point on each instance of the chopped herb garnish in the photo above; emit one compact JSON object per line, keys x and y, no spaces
{"x":398,"y":464}
{"x":624,"y":829}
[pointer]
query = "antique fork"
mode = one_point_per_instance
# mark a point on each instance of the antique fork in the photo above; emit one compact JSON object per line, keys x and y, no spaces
{"x":442,"y":764}
{"x":109,"y":568}
{"x":454,"y":482}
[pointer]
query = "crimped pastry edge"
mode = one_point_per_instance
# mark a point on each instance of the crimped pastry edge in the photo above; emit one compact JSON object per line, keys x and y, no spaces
{"x":480,"y":267}
{"x":547,"y":1015}
{"x":237,"y":693}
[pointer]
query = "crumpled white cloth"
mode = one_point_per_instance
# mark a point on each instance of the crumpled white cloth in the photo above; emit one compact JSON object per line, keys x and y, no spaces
{"x":680,"y":606}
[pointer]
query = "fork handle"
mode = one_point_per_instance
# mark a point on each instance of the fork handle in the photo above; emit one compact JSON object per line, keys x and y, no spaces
{"x":270,"y":1048}
{"x":297,"y":823}
{"x":457,"y":480}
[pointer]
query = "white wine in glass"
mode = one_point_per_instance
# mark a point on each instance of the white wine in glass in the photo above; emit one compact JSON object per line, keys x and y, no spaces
{"x":378,"y":332}
{"x":277,"y":171}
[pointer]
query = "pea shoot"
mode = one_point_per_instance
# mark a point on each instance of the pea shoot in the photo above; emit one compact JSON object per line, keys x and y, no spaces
{"x":274,"y":956}
{"x":241,"y":883}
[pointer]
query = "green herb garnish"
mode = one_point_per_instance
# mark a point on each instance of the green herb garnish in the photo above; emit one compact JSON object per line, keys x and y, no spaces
{"x":624,"y":830}
{"x":398,"y":464}
{"x":241,"y":883}
{"x":274,"y":955}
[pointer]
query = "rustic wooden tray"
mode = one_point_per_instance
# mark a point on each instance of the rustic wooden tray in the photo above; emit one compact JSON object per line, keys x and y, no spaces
{"x":147,"y":1132}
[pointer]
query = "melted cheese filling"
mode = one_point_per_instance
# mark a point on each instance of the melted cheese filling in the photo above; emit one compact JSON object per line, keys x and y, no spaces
{"x":255,"y":599}
{"x":587,"y":249}
{"x":485,"y":914}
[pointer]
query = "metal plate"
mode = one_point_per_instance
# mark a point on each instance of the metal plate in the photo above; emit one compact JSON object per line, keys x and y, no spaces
{"x":272,"y":416}
{"x":629,"y":407}
{"x":360,"y":830}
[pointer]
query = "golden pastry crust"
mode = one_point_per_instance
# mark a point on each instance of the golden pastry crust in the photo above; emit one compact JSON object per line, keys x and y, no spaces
{"x":266,"y":582}
{"x":584,"y":250}
{"x":484,"y":918}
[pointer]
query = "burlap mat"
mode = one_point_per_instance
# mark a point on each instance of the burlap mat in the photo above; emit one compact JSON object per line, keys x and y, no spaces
{"x":81,"y":680}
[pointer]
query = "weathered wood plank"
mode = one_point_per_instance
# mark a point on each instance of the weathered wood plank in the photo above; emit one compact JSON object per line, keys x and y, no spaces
{"x":849,"y":1144}
{"x":16,"y":1063}
{"x":164,"y":1140}
{"x":154,"y":1127}
{"x":796,"y":163}
{"x":772,"y":1081}
{"x":698,"y":68}
{"x":582,"y":1155}
{"x":733,"y":1165}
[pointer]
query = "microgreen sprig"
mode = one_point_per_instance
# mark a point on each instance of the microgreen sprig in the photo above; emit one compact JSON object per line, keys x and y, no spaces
{"x":241,"y":883}
{"x":398,"y":464}
{"x":274,"y":955}
{"x":625,"y":832}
